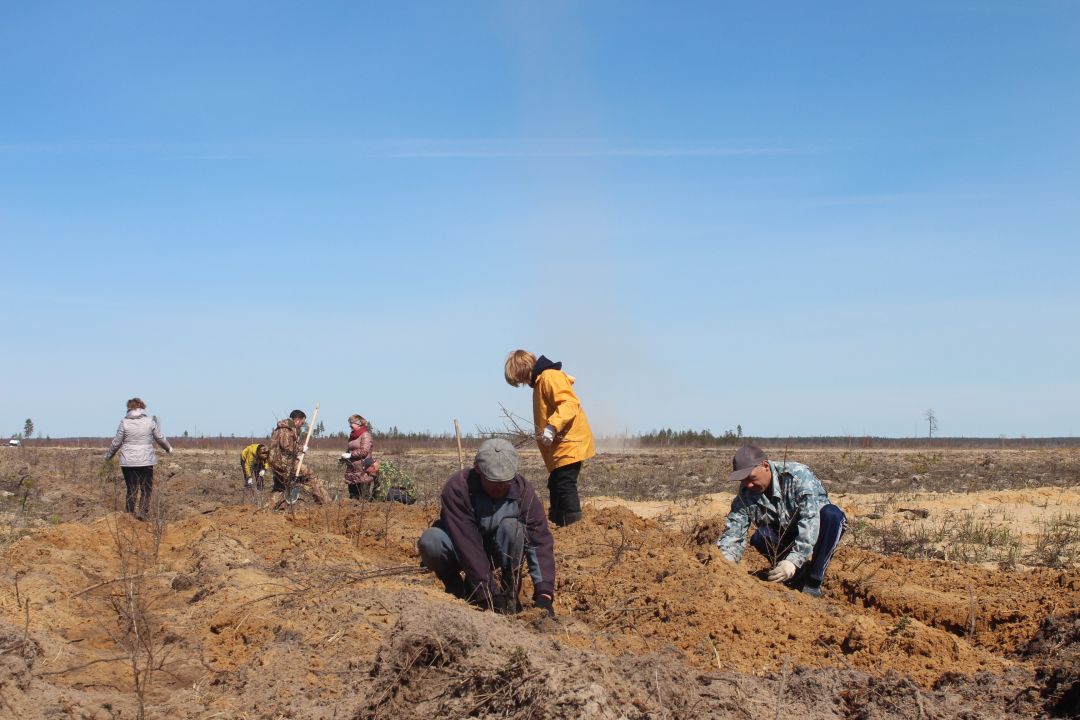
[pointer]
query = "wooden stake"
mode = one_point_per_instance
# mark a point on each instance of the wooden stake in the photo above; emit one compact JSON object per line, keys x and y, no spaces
{"x":460,"y":457}
{"x":310,"y":427}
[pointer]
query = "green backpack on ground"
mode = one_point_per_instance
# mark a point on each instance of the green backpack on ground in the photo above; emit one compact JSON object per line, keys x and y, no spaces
{"x":394,"y":484}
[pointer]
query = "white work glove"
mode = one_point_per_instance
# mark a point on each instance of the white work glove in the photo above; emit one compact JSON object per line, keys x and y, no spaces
{"x":548,"y":436}
{"x":249,"y":482}
{"x":262,"y":473}
{"x":304,"y":451}
{"x":346,"y":455}
{"x":784,"y":570}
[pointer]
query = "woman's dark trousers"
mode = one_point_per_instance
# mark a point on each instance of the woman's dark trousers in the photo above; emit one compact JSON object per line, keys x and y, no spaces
{"x":139,"y":481}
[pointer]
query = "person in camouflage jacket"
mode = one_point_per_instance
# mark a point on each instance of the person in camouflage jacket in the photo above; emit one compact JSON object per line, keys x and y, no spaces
{"x":392,"y":484}
{"x":796,"y":527}
{"x":285,"y":453}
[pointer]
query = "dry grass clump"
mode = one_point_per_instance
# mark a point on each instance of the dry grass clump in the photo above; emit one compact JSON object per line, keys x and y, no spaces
{"x":1057,"y":543}
{"x":956,"y":537}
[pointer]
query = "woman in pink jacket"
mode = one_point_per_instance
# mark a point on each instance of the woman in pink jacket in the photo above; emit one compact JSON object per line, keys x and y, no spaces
{"x":360,"y":469}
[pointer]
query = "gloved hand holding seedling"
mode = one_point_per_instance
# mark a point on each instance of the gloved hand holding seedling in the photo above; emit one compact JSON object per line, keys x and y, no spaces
{"x":784,"y":570}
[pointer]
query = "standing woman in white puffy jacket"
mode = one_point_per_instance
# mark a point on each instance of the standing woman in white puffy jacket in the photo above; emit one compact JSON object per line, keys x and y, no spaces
{"x":135,"y":440}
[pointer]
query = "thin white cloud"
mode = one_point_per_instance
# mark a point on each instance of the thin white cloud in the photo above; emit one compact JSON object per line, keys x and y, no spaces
{"x":891,"y":198}
{"x":419,"y":149}
{"x":554,"y":149}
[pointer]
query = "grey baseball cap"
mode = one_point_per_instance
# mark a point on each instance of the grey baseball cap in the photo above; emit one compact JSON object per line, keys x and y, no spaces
{"x":497,"y":460}
{"x":746,"y":459}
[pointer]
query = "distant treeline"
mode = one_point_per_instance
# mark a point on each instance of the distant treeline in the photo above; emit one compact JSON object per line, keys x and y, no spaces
{"x":690,"y":438}
{"x":394,"y":440}
{"x":383,"y":441}
{"x":704,"y":438}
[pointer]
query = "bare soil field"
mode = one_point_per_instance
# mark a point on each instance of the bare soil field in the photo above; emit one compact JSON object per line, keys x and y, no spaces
{"x":956,"y":594}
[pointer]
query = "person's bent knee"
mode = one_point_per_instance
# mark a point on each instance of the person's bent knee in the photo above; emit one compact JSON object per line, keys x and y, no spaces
{"x":510,"y":538}
{"x":434,"y":546}
{"x":764,"y":544}
{"x":511,"y":527}
{"x":833,"y":513}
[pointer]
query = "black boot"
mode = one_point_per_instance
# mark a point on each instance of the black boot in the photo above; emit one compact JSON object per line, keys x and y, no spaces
{"x":570,"y":518}
{"x":456,"y":587}
{"x":506,"y":603}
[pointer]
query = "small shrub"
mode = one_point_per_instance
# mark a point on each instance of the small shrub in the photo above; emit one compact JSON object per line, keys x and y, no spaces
{"x":1057,"y":543}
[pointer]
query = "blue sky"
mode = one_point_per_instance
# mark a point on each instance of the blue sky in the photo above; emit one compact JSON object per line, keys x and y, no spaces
{"x":802,"y":218}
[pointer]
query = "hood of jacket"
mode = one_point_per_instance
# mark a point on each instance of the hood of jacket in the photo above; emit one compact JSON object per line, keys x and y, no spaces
{"x":542,"y":364}
{"x":136,"y":413}
{"x":284,"y":424}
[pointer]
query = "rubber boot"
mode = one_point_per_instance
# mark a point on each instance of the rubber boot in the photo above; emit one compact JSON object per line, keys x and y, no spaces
{"x":570,"y":518}
{"x":457,"y":587}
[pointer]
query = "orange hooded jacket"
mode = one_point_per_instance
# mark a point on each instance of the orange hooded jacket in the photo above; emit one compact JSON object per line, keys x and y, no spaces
{"x":556,"y":404}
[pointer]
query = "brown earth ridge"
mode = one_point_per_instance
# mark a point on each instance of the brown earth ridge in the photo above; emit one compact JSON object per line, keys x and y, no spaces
{"x":324,"y":612}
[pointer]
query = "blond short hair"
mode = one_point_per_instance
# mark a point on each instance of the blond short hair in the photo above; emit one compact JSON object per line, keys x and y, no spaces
{"x":136,"y":404}
{"x":519,"y":367}
{"x":358,"y":420}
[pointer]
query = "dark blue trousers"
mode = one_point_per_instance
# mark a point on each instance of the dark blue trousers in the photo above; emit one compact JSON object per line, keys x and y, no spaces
{"x":833,"y":525}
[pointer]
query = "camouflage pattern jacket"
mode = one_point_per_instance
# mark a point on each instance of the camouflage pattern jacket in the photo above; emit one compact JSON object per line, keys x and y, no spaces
{"x":391,"y":477}
{"x":284,"y":448}
{"x":793,"y":502}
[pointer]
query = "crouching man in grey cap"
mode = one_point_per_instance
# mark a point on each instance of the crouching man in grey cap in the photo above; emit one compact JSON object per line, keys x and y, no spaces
{"x":491,"y":518}
{"x":797,"y":527}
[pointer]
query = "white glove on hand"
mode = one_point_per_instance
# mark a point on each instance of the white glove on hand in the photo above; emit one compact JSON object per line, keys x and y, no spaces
{"x":262,"y":473}
{"x":249,"y":482}
{"x":784,"y":570}
{"x":346,"y":455}
{"x":304,"y":451}
{"x":548,"y":436}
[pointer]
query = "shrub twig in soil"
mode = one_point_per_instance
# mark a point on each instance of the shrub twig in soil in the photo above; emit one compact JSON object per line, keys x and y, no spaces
{"x":132,"y":607}
{"x":619,"y":550}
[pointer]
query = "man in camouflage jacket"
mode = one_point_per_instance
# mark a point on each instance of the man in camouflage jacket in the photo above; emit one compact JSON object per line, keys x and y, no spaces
{"x":285,"y":452}
{"x":797,"y":528}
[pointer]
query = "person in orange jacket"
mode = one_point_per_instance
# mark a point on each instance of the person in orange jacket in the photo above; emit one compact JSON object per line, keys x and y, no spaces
{"x":562,"y":430}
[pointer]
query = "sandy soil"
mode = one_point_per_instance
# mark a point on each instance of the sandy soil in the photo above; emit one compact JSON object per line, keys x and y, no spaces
{"x":1024,"y":513}
{"x":325,"y":613}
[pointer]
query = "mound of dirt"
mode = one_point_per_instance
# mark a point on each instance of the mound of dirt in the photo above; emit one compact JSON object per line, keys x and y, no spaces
{"x":461,"y":663}
{"x":638,"y":588}
{"x":222,"y":611}
{"x":1056,"y":650}
{"x":993,"y":610}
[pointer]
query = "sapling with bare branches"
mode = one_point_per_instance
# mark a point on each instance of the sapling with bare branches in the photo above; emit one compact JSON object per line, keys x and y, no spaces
{"x":136,"y":632}
{"x":516,"y":429}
